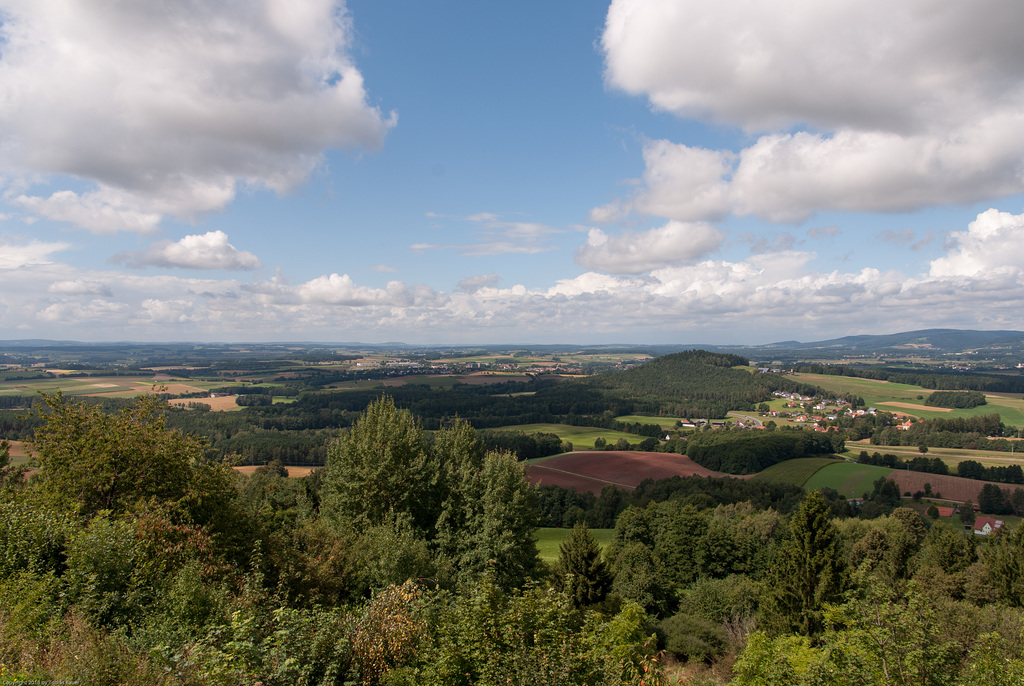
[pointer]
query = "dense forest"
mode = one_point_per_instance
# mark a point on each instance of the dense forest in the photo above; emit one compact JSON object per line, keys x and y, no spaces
{"x":128,"y":557}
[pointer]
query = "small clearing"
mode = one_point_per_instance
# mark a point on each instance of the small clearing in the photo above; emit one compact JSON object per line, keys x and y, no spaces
{"x":293,"y":472}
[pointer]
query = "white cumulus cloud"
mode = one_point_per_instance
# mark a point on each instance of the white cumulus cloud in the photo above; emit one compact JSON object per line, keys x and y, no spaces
{"x":634,"y":252}
{"x":994,"y":242}
{"x":167,"y":107}
{"x":854,"y":104}
{"x":210,"y":250}
{"x":15,"y":254}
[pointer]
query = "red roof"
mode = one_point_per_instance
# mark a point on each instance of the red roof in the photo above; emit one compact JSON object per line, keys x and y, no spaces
{"x":980,"y":522}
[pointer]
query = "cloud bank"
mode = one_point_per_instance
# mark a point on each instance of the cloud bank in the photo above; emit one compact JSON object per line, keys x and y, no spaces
{"x":765,"y":297}
{"x":858,"y":105}
{"x":168,"y":108}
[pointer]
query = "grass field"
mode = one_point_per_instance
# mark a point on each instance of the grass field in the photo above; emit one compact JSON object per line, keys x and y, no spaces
{"x":581,"y":437}
{"x":850,"y":479}
{"x":951,"y":456}
{"x":878,"y":393}
{"x":548,"y":541}
{"x":666,"y":423}
{"x":795,"y":472}
{"x":108,"y":386}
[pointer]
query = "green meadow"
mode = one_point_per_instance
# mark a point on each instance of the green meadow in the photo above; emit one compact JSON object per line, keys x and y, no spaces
{"x":796,"y":472}
{"x":666,"y":423}
{"x":581,"y":437}
{"x":951,"y":456}
{"x":549,"y":540}
{"x":849,"y":478}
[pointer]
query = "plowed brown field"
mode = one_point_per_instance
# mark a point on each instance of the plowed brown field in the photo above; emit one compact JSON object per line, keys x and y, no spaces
{"x":951,"y":487}
{"x":593,"y":470}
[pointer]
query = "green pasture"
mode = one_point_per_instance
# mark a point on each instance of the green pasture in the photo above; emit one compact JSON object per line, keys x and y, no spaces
{"x":877,"y":393}
{"x":795,"y":472}
{"x":74,"y":386}
{"x":950,"y":456}
{"x":849,"y":478}
{"x":581,"y":437}
{"x":549,"y":540}
{"x":666,"y":423}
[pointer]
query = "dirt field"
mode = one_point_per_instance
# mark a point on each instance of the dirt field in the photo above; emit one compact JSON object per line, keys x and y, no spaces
{"x":18,"y":449}
{"x":293,"y":472}
{"x":592,"y":470}
{"x":226,"y":402}
{"x":951,"y":487}
{"x":913,"y":406}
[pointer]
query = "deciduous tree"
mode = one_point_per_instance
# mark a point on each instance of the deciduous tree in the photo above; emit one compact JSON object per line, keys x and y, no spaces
{"x":381,"y":466}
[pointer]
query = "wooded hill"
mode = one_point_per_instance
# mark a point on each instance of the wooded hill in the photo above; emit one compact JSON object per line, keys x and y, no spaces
{"x":695,"y":383}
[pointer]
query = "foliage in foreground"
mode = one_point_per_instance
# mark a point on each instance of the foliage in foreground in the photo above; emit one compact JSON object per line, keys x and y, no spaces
{"x":412,"y":562}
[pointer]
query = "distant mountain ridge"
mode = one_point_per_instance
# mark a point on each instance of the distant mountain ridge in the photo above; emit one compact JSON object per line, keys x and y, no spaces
{"x":943,"y":340}
{"x":949,"y":340}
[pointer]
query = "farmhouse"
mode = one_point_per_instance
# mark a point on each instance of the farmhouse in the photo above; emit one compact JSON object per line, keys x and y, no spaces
{"x":983,"y":526}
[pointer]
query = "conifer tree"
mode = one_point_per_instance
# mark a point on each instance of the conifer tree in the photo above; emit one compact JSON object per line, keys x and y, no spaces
{"x":809,"y":571}
{"x":580,"y":571}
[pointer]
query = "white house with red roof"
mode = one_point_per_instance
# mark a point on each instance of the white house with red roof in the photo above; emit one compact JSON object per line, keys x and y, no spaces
{"x":983,"y":526}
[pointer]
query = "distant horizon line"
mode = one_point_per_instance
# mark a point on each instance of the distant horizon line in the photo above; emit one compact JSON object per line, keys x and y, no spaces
{"x":23,"y":342}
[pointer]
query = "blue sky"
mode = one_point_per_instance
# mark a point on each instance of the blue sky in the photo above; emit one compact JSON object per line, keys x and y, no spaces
{"x":661,"y":171}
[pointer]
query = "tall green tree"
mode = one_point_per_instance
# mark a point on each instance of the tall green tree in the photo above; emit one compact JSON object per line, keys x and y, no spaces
{"x":580,"y":571}
{"x":505,"y":521}
{"x":380,"y":467}
{"x":809,"y":570}
{"x":460,"y":458}
{"x":488,"y":519}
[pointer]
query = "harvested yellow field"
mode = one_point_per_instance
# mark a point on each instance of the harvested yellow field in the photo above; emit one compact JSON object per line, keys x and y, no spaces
{"x":226,"y":402}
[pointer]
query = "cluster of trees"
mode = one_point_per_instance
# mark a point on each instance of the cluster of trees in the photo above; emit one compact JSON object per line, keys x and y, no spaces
{"x":928,"y":465}
{"x":563,"y":507}
{"x":524,"y":446}
{"x":749,"y":452}
{"x":815,"y":599}
{"x":956,"y":399}
{"x":128,"y":558}
{"x":972,"y":469}
{"x":972,"y":433}
{"x":996,"y":500}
